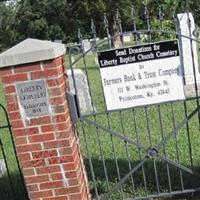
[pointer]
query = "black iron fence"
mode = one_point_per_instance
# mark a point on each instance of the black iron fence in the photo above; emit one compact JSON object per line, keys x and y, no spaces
{"x":143,"y":152}
{"x":12,"y":185}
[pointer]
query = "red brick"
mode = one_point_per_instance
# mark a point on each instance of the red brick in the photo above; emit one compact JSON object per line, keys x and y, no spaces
{"x":41,"y":137}
{"x":75,"y":197}
{"x":71,"y":174}
{"x":56,"y":71}
{"x":68,"y":150}
{"x":57,"y":100}
{"x":25,"y":132}
{"x":75,"y":177}
{"x":20,"y":141}
{"x":28,"y":148}
{"x":56,"y":144}
{"x":46,"y":73}
{"x":81,"y":178}
{"x":38,"y":121}
{"x":33,"y":188}
{"x":10,"y":89}
{"x":44,"y":154}
{"x":14,"y":78}
{"x":27,"y":68}
{"x":73,"y":166}
{"x":6,"y":71}
{"x":73,"y":181}
{"x":63,"y":126}
{"x":57,"y":198}
{"x":48,"y":169}
{"x":41,"y":194}
{"x":53,"y":63}
{"x":12,"y":107}
{"x":70,"y":166}
{"x":65,"y":134}
{"x":59,"y":109}
{"x":12,"y":98}
{"x":62,"y":135}
{"x":17,"y":124}
{"x":47,"y":128}
{"x":24,"y":157}
{"x":29,"y":172}
{"x":36,"y":179}
{"x":51,"y":185}
{"x":57,"y":91}
{"x":14,"y":115}
{"x":56,"y":82}
{"x":61,"y":117}
{"x":69,"y":190}
{"x":61,"y":159}
{"x":86,"y":194}
{"x":56,"y":176}
{"x":33,"y":163}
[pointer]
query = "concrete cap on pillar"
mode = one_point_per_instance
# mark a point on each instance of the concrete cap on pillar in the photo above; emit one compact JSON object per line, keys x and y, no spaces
{"x":31,"y":50}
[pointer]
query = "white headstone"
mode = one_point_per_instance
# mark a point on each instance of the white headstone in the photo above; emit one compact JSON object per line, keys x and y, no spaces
{"x":58,"y":41}
{"x":96,"y":62}
{"x":73,"y":59}
{"x":127,"y":38}
{"x":188,"y":47}
{"x":93,"y":44}
{"x":108,"y":39}
{"x":2,"y":167}
{"x":82,"y":90}
{"x":86,"y":45}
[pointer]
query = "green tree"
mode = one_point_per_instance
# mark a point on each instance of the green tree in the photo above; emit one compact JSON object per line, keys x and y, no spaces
{"x":7,"y":20}
{"x":60,"y":19}
{"x":41,"y":19}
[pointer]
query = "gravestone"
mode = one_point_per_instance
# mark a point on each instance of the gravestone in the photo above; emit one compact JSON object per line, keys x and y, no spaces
{"x":73,"y":59}
{"x":82,"y":90}
{"x":86,"y":46}
{"x":189,"y":52}
{"x":96,"y":61}
{"x":127,"y":38}
{"x":2,"y":168}
{"x":58,"y":41}
{"x":93,"y":44}
{"x":108,"y":39}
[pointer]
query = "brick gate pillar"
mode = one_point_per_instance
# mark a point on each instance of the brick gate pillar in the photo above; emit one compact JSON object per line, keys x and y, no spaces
{"x":33,"y":79}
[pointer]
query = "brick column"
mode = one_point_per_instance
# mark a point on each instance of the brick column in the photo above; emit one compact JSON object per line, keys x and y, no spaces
{"x":45,"y":138}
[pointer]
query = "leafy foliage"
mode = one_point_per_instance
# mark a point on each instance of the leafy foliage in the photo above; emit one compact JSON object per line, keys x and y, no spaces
{"x":60,"y":19}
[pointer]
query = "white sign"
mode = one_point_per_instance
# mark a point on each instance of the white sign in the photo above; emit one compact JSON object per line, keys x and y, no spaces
{"x":141,"y":75}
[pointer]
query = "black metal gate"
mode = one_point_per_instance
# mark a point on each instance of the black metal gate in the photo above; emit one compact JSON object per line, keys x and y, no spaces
{"x":144,"y":152}
{"x":12,"y":185}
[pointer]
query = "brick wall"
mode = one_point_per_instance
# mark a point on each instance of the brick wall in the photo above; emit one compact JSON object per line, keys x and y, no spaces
{"x":47,"y":147}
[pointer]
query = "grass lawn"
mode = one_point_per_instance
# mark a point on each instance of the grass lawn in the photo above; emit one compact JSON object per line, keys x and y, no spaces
{"x":109,"y":158}
{"x":10,"y":189}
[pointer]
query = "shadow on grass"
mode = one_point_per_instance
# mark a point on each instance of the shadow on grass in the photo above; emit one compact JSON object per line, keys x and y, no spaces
{"x":12,"y":190}
{"x":143,"y":182}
